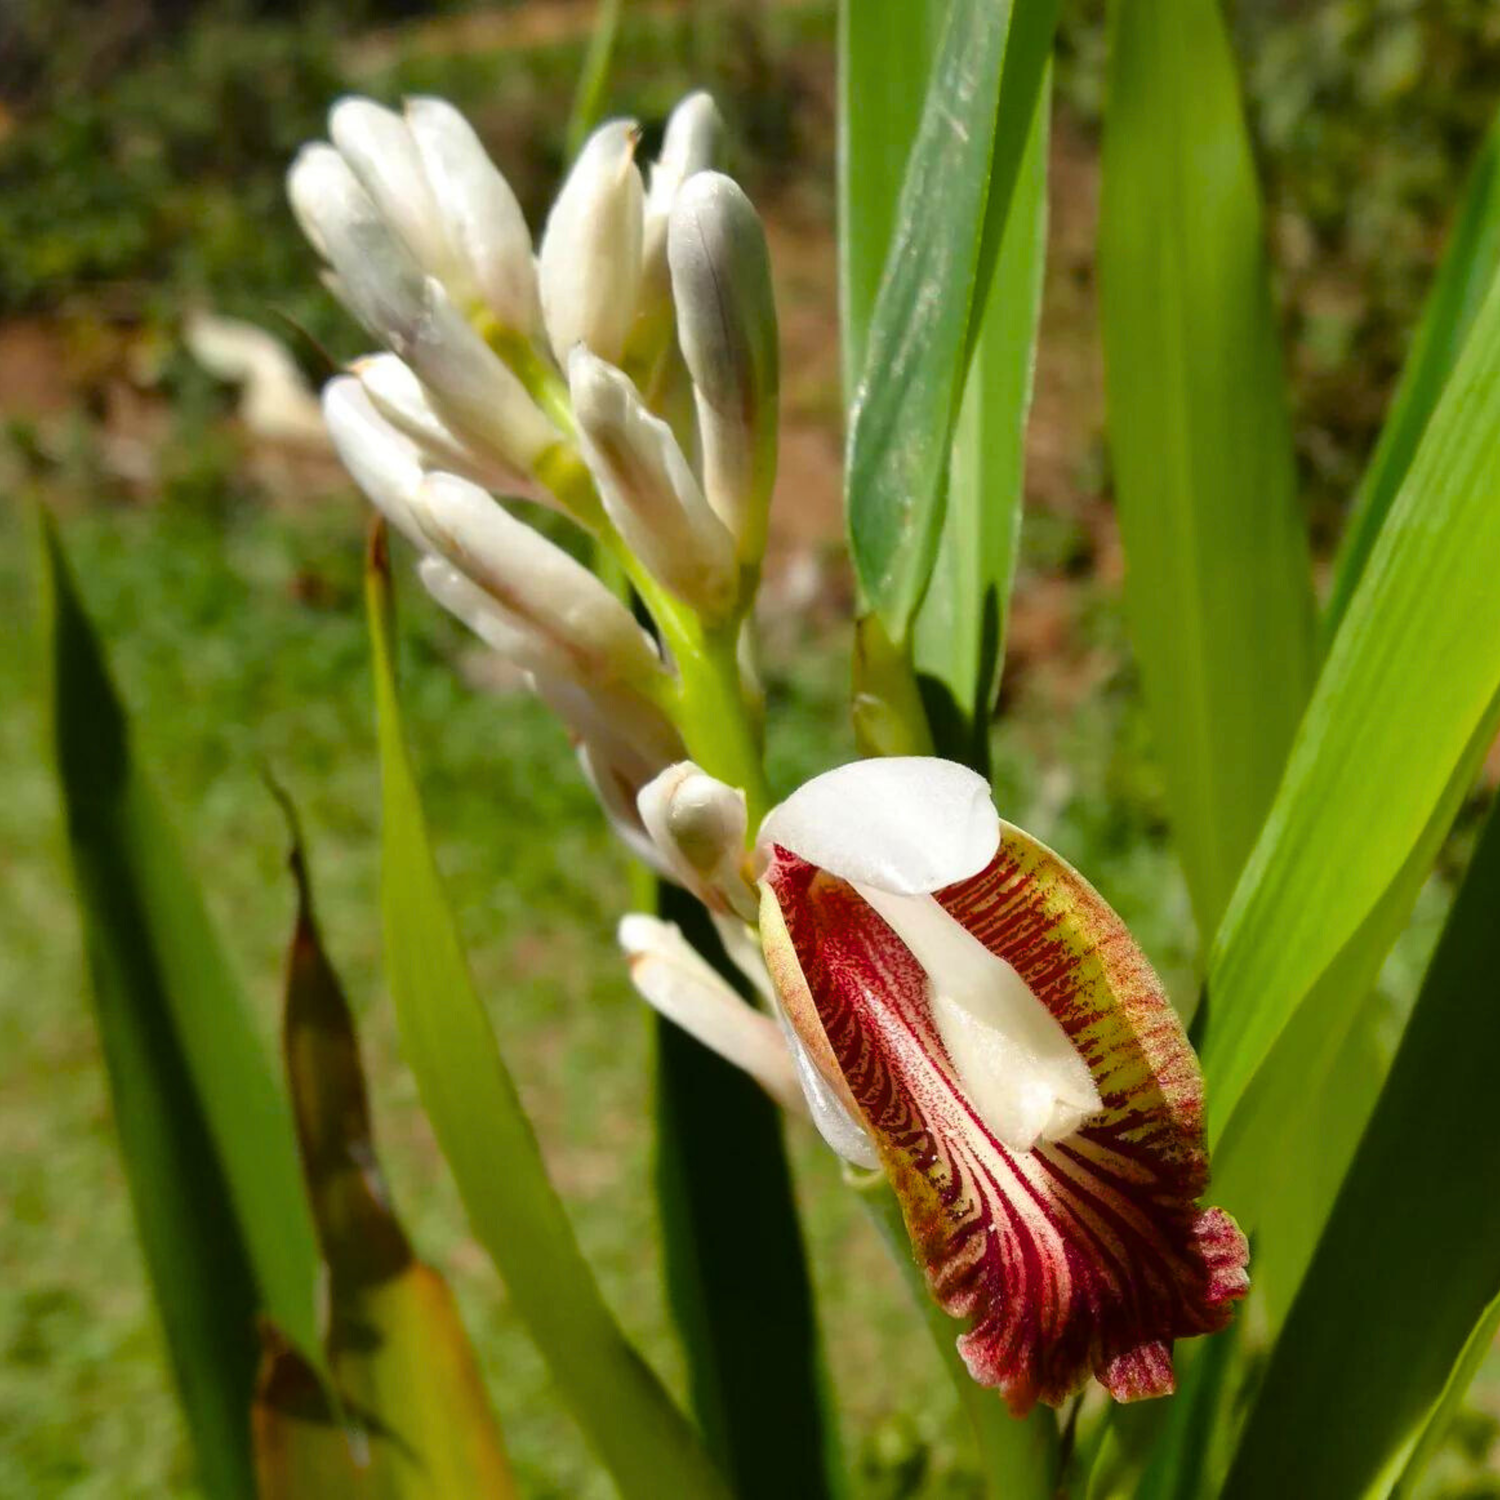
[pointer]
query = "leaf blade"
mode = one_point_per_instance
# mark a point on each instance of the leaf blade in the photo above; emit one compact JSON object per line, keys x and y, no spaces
{"x":883,"y":63}
{"x":958,"y":640}
{"x":1406,"y":687}
{"x":1218,"y":582}
{"x":205,"y":1135}
{"x":1426,"y":1161}
{"x":477,"y":1117}
{"x":400,"y":1361}
{"x":1468,"y":268}
{"x":955,"y":199}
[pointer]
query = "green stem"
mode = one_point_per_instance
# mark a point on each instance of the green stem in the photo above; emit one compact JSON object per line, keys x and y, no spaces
{"x":1018,"y":1456}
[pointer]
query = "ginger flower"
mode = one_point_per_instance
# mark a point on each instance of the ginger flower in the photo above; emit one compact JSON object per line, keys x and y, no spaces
{"x":966,"y":1013}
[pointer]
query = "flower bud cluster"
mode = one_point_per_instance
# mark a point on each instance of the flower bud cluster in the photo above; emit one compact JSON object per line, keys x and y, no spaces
{"x":624,"y":373}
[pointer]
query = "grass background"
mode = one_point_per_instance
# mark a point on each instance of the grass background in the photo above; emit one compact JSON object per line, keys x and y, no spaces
{"x":140,"y":166}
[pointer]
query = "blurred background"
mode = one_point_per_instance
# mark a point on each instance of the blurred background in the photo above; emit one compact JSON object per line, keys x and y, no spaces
{"x":142,"y":149}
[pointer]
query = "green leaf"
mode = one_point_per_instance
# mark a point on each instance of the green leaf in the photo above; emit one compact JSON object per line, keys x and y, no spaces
{"x":1218,"y":580}
{"x":1434,"y":1430}
{"x":885,"y":51}
{"x":488,"y":1141}
{"x":1468,"y":269}
{"x":1406,"y":687}
{"x":206,"y":1137}
{"x":741,"y":1300}
{"x":405,"y":1374}
{"x":959,"y":637}
{"x":954,"y":204}
{"x":1292,"y":1137}
{"x":1410,"y":1261}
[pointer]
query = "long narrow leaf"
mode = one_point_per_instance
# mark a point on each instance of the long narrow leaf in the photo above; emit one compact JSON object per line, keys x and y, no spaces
{"x":1218,"y":581}
{"x":1292,"y":1137}
{"x":398,"y":1355}
{"x":959,"y":638}
{"x":488,"y":1141}
{"x":955,"y":200}
{"x":206,"y":1137}
{"x":1468,"y":269}
{"x":1406,"y":687}
{"x":885,"y":51}
{"x":1410,"y":1261}
{"x":301,"y":1446}
{"x":1434,"y":1430}
{"x":736,"y":1267}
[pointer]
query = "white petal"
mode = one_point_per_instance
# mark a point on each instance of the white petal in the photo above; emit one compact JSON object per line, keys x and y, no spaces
{"x":497,"y":628}
{"x":381,"y":461}
{"x":590,"y":261}
{"x":403,"y":401}
{"x":726,"y":329}
{"x":689,"y":145}
{"x":378,"y":280}
{"x":699,"y":825}
{"x":382,"y":153}
{"x":1025,"y":1077}
{"x":671,"y":976}
{"x":485,"y":224}
{"x":648,"y":489}
{"x":848,"y":1138}
{"x":533,"y":578}
{"x":905,"y":824}
{"x":473,"y":389}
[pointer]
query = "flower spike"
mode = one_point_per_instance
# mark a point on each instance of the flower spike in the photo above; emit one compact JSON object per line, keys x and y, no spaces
{"x":1049,"y":1189}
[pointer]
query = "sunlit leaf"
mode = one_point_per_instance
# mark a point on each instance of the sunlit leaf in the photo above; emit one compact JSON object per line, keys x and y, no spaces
{"x":1218,"y":579}
{"x":1406,"y":688}
{"x":1458,"y":293}
{"x":206,"y":1137}
{"x":488,"y":1142}
{"x":959,"y":637}
{"x":1410,"y":1261}
{"x":955,"y":199}
{"x":885,"y":52}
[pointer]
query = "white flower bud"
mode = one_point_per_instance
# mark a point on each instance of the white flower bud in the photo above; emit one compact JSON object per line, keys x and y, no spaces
{"x":470,"y":386}
{"x":535,"y":580}
{"x":402,"y":400}
{"x":382,"y":153}
{"x":699,"y":825}
{"x":382,"y":462}
{"x":501,"y":631}
{"x":726,"y":326}
{"x":648,"y":488}
{"x":375,"y":275}
{"x":485,"y":226}
{"x":590,"y":261}
{"x":671,"y":977}
{"x":689,"y":145}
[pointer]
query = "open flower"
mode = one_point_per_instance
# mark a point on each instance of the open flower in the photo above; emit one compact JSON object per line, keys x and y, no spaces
{"x":965,"y":1011}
